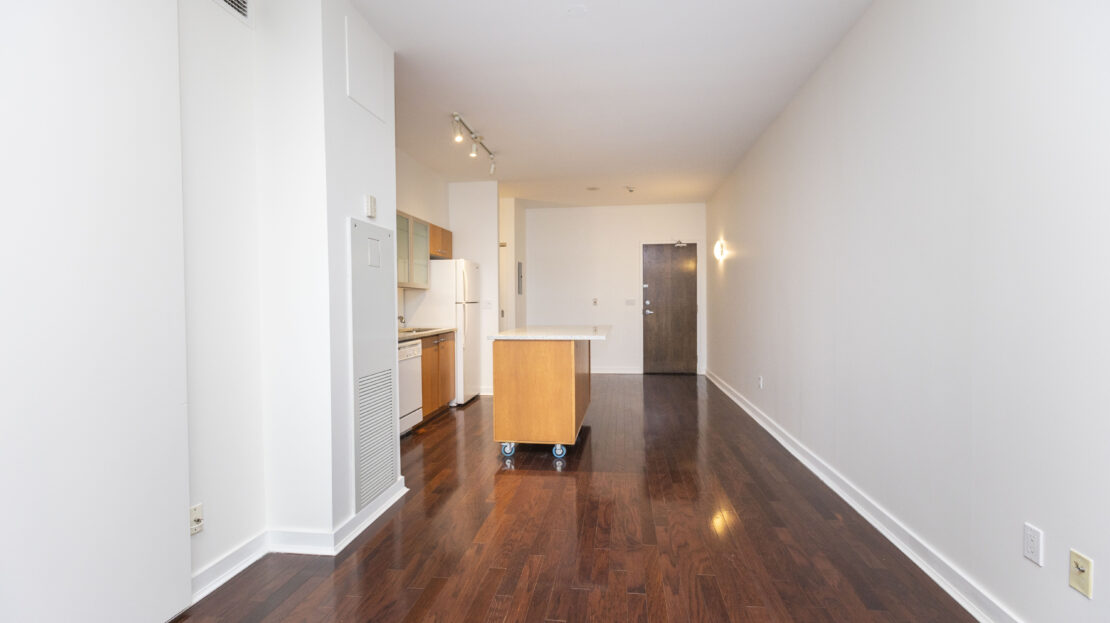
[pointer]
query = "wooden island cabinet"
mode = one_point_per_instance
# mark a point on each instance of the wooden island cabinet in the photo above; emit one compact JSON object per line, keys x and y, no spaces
{"x":541,"y":385}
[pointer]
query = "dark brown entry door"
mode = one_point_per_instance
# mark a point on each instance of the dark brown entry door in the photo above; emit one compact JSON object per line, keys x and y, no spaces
{"x":670,"y":309}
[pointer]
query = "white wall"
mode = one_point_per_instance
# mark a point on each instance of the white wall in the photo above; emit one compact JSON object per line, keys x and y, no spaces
{"x":919,"y":272}
{"x":93,"y":454}
{"x":578,"y":254}
{"x":360,"y":161}
{"x":473,"y":207}
{"x":421,"y":191}
{"x":520,"y":255}
{"x":226,"y":466}
{"x":295,"y":284}
{"x":506,"y":263}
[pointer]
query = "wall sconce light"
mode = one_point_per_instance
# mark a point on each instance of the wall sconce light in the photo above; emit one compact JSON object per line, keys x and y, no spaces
{"x":719,"y":250}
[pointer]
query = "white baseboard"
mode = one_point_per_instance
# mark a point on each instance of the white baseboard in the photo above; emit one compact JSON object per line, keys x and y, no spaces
{"x":301,"y":542}
{"x":963,"y":589}
{"x":626,"y":370}
{"x":293,"y":542}
{"x":617,"y":369}
{"x":362,"y":520}
{"x":214,"y":575}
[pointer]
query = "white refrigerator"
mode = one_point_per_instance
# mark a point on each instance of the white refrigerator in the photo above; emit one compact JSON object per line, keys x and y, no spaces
{"x":451,"y":301}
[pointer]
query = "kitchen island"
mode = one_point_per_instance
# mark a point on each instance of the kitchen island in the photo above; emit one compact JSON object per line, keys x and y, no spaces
{"x":541,"y":384}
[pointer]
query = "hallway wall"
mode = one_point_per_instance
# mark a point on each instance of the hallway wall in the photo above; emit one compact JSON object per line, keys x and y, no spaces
{"x":917,"y":271}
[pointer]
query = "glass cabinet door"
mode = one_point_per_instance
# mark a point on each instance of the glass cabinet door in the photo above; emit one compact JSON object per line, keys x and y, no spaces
{"x":421,"y":243}
{"x":403,"y":251}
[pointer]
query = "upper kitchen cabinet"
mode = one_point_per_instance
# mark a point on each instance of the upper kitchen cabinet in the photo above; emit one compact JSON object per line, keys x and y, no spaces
{"x":404,"y":249}
{"x":441,"y":243}
{"x":413,"y":244}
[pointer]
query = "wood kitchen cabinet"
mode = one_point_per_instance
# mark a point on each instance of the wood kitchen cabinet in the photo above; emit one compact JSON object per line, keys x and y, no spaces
{"x":441,"y":243}
{"x":437,"y":373}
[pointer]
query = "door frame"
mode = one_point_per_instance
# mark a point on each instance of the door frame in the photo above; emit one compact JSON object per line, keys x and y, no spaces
{"x":702,"y":306}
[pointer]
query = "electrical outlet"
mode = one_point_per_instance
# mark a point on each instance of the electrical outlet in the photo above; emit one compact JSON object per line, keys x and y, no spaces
{"x":760,"y":379}
{"x":595,"y":302}
{"x":196,"y":518}
{"x":1032,"y":545}
{"x":1081,"y":574}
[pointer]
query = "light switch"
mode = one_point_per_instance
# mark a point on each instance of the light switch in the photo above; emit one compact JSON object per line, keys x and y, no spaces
{"x":1033,"y":544}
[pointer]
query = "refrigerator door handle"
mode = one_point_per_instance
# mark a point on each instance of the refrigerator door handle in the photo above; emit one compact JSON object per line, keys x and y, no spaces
{"x":466,"y":285}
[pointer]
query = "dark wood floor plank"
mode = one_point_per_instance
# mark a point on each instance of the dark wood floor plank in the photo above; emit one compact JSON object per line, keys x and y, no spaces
{"x":709,"y":604}
{"x":525,"y":588}
{"x":423,"y":603}
{"x":673,"y":505}
{"x":482,"y":601}
{"x":611,"y":604}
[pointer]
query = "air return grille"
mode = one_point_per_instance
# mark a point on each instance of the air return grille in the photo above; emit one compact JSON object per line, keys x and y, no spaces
{"x":375,"y":440}
{"x":240,"y":6}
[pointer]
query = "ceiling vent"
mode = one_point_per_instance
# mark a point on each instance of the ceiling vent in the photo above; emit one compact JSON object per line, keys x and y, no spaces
{"x":239,"y":6}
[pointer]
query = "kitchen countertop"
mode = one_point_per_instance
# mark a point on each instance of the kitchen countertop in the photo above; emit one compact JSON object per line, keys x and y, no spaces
{"x":408,"y":336}
{"x":555,"y":332}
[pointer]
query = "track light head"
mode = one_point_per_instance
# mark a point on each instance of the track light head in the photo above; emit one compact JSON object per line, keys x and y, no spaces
{"x":456,"y":127}
{"x":492,"y":165}
{"x":474,"y":148}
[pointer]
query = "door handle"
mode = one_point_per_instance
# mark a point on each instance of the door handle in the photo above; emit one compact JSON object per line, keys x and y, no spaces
{"x":648,"y":311}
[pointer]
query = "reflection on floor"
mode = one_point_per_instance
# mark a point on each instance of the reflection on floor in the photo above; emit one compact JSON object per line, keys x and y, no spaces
{"x":672,"y":506}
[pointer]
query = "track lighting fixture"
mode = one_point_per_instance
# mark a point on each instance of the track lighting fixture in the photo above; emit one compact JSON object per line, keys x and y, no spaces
{"x":460,"y":130}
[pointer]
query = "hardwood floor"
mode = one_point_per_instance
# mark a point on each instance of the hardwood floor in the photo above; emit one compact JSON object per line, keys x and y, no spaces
{"x":673,"y":506}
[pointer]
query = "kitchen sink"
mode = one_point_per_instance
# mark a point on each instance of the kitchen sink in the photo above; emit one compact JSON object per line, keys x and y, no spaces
{"x":415,"y":330}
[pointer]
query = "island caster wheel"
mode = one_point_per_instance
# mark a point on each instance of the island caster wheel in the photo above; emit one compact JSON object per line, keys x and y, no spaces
{"x":559,"y":451}
{"x":508,"y":448}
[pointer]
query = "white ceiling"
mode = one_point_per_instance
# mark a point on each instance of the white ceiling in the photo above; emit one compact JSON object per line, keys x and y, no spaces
{"x":661,"y":95}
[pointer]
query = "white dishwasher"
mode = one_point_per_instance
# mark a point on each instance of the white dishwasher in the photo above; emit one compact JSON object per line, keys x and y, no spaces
{"x":408,"y":384}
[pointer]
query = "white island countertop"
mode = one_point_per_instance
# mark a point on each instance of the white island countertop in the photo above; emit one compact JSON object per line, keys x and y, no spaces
{"x":555,"y":332}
